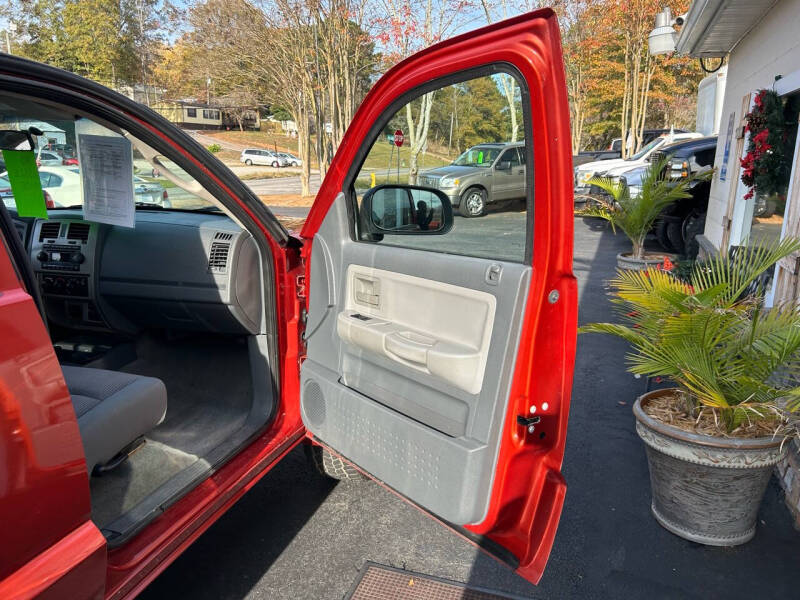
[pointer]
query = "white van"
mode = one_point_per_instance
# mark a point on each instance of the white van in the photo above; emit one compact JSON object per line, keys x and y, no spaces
{"x":256,"y":156}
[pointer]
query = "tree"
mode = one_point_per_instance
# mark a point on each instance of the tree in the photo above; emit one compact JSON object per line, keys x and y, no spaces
{"x":175,"y":70}
{"x":148,"y":21}
{"x":507,"y":82}
{"x":576,"y":27}
{"x":110,"y":41}
{"x":404,"y":27}
{"x":318,"y":67}
{"x":238,"y":105}
{"x":611,"y":77}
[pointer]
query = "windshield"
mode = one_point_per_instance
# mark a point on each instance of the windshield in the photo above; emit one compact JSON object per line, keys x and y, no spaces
{"x":651,"y":146}
{"x":61,"y":131}
{"x":479,"y":156}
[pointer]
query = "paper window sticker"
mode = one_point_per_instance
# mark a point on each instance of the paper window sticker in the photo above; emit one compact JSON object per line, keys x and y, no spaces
{"x":25,"y":183}
{"x":107,"y":179}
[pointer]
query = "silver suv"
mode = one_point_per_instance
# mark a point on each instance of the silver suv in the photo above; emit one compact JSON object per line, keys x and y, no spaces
{"x":484,"y":174}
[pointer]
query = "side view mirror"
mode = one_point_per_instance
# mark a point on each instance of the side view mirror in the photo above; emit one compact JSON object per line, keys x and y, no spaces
{"x":406,"y":210}
{"x":503,"y":165}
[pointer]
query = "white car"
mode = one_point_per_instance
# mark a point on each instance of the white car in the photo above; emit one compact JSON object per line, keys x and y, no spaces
{"x":63,"y":185}
{"x":293,"y":160}
{"x":49,"y":159}
{"x":256,"y":156}
{"x":617,"y":166}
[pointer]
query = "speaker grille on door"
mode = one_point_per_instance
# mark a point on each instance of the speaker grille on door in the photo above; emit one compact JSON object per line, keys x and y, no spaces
{"x":314,"y":403}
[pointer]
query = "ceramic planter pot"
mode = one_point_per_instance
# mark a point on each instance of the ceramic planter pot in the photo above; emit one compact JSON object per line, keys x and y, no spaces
{"x":627,"y":262}
{"x":705,"y":489}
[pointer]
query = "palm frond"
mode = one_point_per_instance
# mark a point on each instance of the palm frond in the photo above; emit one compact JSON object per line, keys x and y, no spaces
{"x":635,"y":215}
{"x":713,"y":337}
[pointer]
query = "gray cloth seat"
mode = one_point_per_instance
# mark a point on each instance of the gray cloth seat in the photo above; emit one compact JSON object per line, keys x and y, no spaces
{"x":113,"y":409}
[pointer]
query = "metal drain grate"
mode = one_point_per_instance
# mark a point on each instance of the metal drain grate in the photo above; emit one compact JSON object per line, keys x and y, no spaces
{"x":377,"y":582}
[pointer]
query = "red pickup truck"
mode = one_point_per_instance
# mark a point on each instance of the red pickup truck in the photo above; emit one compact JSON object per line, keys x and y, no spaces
{"x":155,"y":364}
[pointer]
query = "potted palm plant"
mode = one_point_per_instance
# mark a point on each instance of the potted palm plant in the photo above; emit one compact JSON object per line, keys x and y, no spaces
{"x":712,"y":440}
{"x":635,"y":215}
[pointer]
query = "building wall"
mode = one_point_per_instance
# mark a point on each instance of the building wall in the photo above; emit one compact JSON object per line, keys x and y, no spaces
{"x":179,"y":114}
{"x":771,"y":48}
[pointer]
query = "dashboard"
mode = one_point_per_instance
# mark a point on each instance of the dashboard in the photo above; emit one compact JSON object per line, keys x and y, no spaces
{"x":174,"y":270}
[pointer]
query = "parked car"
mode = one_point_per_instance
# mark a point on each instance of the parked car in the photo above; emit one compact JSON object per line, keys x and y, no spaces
{"x":680,"y":223}
{"x":610,"y":168}
{"x":63,"y":150}
{"x":48,"y":159}
{"x":594,"y":155}
{"x":150,"y":193}
{"x":483,"y":175}
{"x":614,"y":149}
{"x":152,"y":375}
{"x":291,"y":159}
{"x":62,"y":185}
{"x":256,"y":156}
{"x":7,"y":195}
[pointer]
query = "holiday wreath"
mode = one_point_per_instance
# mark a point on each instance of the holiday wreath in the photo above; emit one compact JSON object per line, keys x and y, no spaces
{"x":766,"y":167}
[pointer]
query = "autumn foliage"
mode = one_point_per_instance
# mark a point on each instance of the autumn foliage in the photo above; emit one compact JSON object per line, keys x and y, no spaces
{"x":616,"y":88}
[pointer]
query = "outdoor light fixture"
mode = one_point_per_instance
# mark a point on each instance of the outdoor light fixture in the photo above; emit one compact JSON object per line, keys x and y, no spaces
{"x":662,"y":39}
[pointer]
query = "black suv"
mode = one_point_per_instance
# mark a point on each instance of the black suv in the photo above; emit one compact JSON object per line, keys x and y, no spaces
{"x":682,"y":221}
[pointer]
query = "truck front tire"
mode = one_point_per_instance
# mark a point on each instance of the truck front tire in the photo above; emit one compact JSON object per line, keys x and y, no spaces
{"x":473,"y":203}
{"x":330,"y":465}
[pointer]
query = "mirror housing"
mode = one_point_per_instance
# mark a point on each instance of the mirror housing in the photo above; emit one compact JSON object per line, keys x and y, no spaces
{"x":14,"y":139}
{"x":396,"y":209}
{"x":503,"y":165}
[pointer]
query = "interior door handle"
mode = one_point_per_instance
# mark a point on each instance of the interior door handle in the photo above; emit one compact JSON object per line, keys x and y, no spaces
{"x":371,"y":299}
{"x":415,"y":351}
{"x":367,"y":291}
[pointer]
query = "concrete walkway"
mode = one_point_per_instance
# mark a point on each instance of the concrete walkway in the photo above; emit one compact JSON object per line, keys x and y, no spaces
{"x":296,"y":535}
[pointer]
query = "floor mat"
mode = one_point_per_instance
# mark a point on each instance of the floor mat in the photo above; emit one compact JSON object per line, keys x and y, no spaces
{"x":209,"y":395}
{"x":377,"y":582}
{"x":119,"y":490}
{"x":209,"y":389}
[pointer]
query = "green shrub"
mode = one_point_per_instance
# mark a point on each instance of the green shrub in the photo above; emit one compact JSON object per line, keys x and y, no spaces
{"x":214,"y":148}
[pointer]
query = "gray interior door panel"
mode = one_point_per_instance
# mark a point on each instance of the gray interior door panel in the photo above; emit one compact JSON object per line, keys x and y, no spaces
{"x":409,"y":362}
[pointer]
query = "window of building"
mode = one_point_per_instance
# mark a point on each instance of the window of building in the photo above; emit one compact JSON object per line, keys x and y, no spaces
{"x":191,"y":112}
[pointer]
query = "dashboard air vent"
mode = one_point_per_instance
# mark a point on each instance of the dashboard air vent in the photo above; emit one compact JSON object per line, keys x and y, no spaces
{"x":49,"y":230}
{"x":218,"y":257}
{"x":78,"y":231}
{"x":221,"y":235}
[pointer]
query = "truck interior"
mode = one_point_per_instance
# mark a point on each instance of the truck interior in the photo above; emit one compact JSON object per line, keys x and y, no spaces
{"x":163,"y":329}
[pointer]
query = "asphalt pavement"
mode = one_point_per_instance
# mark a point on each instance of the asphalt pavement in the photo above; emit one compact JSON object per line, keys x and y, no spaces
{"x":297,"y":535}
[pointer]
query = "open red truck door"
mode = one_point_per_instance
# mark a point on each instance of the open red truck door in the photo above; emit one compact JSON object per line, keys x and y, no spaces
{"x":442,"y":364}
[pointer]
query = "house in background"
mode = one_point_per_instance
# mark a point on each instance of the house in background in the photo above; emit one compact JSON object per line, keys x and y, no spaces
{"x":190,"y":115}
{"x":762,"y":46}
{"x":148,"y":95}
{"x":197,"y":115}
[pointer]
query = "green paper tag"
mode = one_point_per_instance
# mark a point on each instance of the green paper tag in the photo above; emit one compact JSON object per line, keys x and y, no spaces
{"x":480,"y":158}
{"x":25,"y":183}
